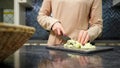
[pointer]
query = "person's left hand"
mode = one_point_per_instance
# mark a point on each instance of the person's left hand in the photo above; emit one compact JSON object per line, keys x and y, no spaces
{"x":83,"y":60}
{"x":83,"y":37}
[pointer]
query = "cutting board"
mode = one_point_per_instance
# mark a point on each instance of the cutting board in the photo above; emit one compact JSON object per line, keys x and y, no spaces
{"x":82,"y":51}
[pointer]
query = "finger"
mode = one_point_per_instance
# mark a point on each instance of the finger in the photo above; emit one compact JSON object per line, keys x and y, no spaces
{"x":87,"y":60}
{"x":62,"y":31}
{"x":86,"y":39}
{"x":83,"y":61}
{"x":55,"y":31}
{"x":80,"y":36}
{"x":58,"y":32}
{"x":83,"y":37}
{"x":80,"y":61}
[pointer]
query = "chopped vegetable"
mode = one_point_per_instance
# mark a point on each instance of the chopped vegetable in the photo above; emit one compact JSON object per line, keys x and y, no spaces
{"x":88,"y":45}
{"x":72,"y":44}
{"x":76,"y":45}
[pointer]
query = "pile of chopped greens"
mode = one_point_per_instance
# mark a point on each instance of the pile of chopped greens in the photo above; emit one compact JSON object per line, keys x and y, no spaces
{"x":76,"y":45}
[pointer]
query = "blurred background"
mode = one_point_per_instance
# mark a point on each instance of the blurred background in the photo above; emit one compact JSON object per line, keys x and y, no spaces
{"x":24,"y":12}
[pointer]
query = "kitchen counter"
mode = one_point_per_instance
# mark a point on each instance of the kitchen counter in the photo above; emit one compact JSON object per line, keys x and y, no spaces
{"x":40,"y":57}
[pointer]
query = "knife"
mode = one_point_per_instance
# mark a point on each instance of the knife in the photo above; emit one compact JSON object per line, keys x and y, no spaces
{"x":65,"y":37}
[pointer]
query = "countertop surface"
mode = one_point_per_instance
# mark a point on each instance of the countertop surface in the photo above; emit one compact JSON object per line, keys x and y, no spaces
{"x":40,"y":57}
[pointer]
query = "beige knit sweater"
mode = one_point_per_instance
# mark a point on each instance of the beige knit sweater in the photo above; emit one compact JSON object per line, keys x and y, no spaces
{"x":74,"y":15}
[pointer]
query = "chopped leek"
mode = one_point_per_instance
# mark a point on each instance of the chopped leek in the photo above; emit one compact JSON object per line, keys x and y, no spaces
{"x":76,"y":45}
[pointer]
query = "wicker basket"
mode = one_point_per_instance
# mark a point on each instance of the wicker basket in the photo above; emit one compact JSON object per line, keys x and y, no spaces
{"x":12,"y":37}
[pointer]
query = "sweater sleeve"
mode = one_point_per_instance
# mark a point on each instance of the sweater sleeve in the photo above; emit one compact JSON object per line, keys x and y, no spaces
{"x":44,"y":18}
{"x":95,"y":21}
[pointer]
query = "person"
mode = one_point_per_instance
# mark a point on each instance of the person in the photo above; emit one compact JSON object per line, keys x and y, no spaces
{"x":81,"y":20}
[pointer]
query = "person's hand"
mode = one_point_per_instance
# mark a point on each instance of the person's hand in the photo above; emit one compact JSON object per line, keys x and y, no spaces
{"x":58,"y":29}
{"x":83,"y":37}
{"x":83,"y":60}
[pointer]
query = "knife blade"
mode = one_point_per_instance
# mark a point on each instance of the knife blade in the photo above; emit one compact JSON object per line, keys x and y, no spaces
{"x":65,"y":37}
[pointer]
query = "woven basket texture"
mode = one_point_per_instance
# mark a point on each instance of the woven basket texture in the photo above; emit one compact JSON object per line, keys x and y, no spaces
{"x":12,"y":37}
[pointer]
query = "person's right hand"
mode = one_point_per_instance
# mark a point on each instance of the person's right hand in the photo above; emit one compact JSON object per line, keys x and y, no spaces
{"x":58,"y":29}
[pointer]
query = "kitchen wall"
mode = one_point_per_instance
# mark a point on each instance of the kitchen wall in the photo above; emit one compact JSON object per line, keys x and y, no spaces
{"x":31,"y":19}
{"x":111,"y":21}
{"x":7,"y":11}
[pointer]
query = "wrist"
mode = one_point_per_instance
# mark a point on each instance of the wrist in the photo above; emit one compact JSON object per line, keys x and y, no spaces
{"x":54,"y":24}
